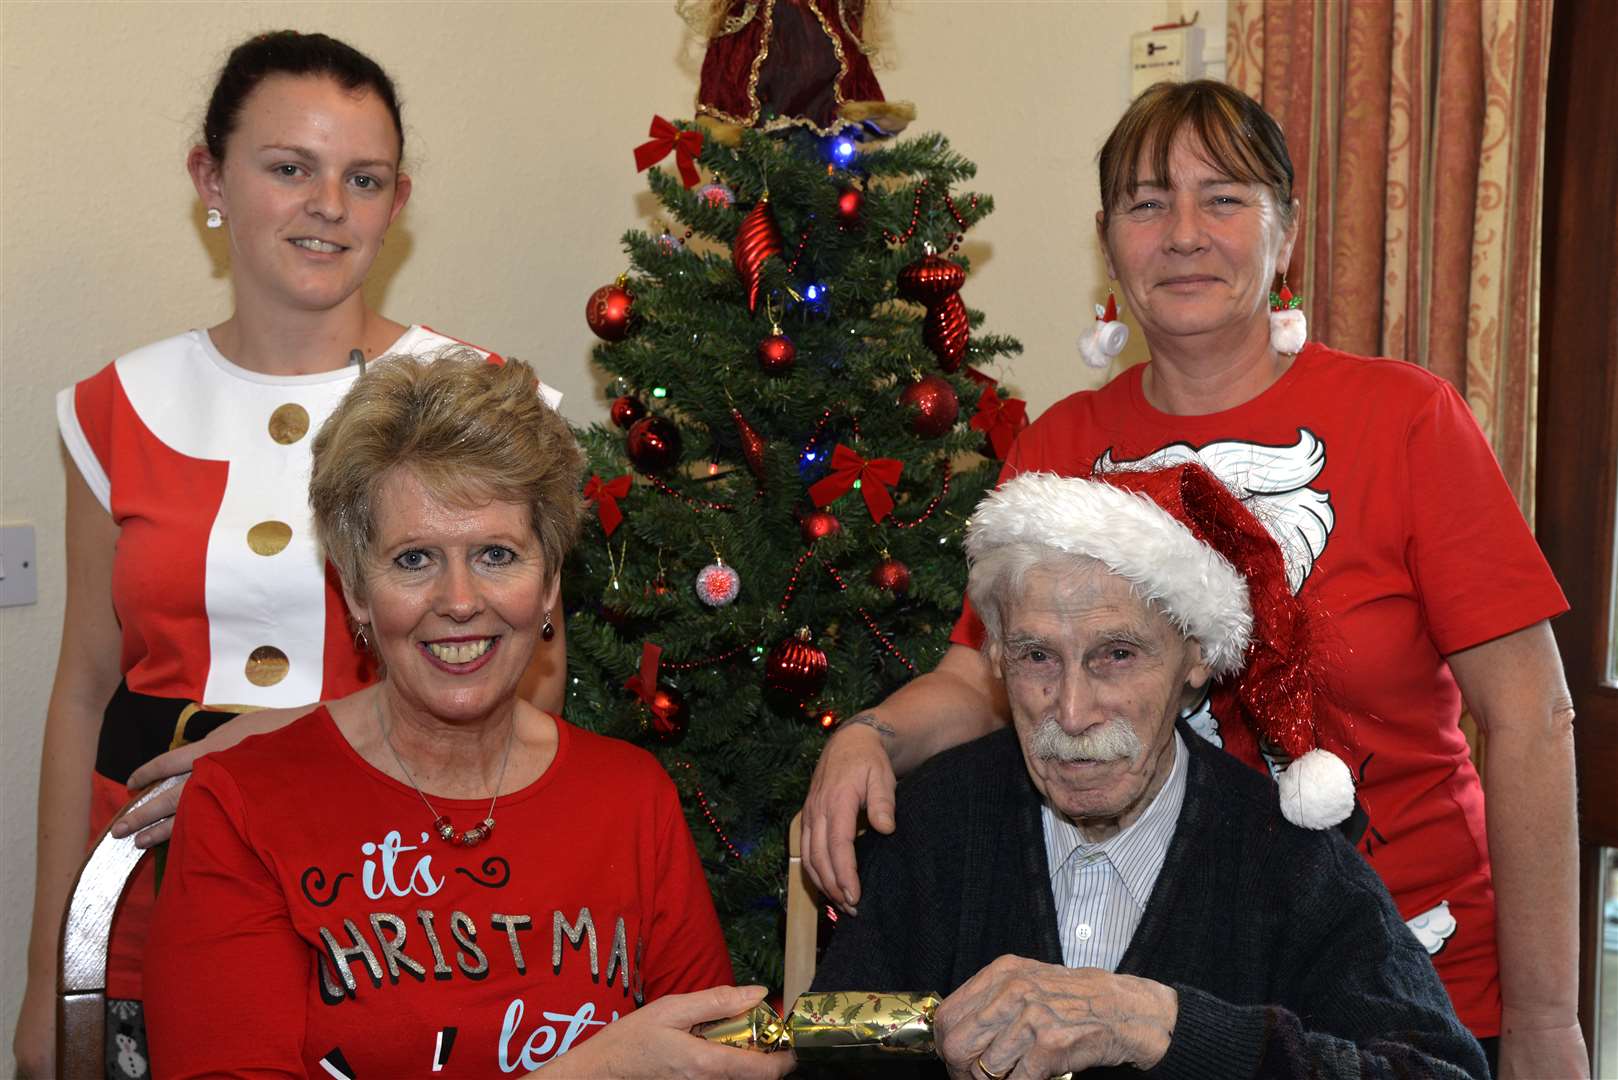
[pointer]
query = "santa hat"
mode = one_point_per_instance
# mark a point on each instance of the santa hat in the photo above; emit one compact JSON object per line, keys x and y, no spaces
{"x":1189,"y":547}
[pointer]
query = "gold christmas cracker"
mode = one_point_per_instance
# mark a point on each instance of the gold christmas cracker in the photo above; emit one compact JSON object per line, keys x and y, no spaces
{"x":834,"y":1027}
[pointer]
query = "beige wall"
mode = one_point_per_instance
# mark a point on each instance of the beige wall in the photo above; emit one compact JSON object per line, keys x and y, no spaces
{"x":520,"y":118}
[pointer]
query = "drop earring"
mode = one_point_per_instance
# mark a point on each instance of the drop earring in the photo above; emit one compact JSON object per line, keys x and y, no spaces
{"x":547,"y":631}
{"x":1100,"y":344}
{"x":1288,"y":327}
{"x":215,"y":218}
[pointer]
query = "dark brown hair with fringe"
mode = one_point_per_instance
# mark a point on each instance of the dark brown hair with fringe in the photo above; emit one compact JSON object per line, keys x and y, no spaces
{"x":1236,"y":135}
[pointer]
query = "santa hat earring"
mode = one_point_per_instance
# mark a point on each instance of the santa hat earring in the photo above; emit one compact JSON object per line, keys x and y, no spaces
{"x":1100,"y":344}
{"x":1288,"y":328}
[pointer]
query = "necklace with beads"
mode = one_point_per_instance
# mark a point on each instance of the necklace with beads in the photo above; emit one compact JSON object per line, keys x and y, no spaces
{"x":441,"y":824}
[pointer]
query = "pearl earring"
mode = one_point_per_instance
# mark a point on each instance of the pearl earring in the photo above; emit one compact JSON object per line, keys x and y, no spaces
{"x":215,"y":218}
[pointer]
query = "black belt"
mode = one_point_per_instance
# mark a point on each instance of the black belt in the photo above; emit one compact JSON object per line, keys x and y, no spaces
{"x":135,"y":728}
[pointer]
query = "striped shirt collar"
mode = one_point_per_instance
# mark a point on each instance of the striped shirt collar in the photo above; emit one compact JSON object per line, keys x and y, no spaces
{"x":1136,"y":852}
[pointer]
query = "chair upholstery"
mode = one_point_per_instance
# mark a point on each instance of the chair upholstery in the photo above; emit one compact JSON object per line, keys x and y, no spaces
{"x":81,"y":981}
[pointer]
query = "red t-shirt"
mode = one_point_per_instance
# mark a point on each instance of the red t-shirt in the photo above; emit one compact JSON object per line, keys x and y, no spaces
{"x":307,"y":918}
{"x":1396,"y":522}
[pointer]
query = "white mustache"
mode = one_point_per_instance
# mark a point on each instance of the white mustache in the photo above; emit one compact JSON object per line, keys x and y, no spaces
{"x":1113,"y":741}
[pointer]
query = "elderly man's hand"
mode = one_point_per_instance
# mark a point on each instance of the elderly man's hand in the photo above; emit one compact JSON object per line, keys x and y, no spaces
{"x":1023,"y":1020}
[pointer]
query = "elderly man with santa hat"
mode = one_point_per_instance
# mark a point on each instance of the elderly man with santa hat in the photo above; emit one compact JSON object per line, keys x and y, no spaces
{"x":1094,"y":886}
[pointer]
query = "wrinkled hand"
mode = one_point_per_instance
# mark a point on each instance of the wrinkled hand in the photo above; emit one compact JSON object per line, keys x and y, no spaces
{"x":34,"y":1045}
{"x":853,"y":771}
{"x":1541,"y":1051}
{"x":1021,"y":1019}
{"x":656,"y":1042}
{"x":152,"y":822}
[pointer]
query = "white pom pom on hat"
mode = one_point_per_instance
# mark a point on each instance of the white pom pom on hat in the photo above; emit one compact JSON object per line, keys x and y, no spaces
{"x":1317,"y":790}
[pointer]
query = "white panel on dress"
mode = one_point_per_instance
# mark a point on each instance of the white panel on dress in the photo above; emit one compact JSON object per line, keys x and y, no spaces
{"x":205,"y":407}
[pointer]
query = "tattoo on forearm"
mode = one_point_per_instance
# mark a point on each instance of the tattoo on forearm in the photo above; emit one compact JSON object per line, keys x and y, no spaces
{"x":868,"y":719}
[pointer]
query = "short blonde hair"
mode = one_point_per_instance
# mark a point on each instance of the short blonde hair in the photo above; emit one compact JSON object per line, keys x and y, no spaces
{"x":468,"y":430}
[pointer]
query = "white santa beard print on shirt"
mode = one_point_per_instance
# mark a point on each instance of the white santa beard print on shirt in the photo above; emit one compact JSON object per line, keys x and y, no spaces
{"x":1273,"y":483}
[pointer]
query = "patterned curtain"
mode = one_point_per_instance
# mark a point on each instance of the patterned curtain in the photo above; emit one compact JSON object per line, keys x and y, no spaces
{"x":1416,"y":129}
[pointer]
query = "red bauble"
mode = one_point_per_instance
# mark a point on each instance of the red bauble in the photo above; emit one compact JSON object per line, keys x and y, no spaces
{"x":653,"y":444}
{"x":607,"y":311}
{"x":930,"y":279}
{"x":945,"y":330}
{"x":626,"y":410}
{"x":753,"y":444}
{"x":849,"y":204}
{"x":776,"y":353}
{"x":892,"y":575}
{"x":756,"y":240}
{"x":667,"y":715}
{"x":935,"y":403}
{"x":818,"y":524}
{"x":796,"y":667}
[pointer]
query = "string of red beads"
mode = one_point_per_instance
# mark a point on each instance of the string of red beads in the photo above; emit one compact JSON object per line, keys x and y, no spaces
{"x":931,"y":506}
{"x":915,"y":218}
{"x":820,"y":426}
{"x":707,"y":812}
{"x":803,"y":242}
{"x":792,"y":582}
{"x":691,"y":665}
{"x":691,"y":499}
{"x":870,"y":623}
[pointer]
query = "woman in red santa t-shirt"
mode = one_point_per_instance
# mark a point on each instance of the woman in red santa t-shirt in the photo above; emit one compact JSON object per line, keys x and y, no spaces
{"x":196,"y":591}
{"x":1395,"y":523}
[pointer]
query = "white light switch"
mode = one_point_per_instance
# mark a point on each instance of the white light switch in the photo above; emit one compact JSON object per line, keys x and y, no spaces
{"x":19,"y":574}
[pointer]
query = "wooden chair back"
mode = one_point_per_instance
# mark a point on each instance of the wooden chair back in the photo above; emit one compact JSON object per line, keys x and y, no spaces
{"x":803,"y":921}
{"x":81,"y":981}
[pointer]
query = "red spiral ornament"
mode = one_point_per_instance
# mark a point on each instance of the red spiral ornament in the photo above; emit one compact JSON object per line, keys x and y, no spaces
{"x":945,"y":330}
{"x":930,"y":279}
{"x":756,"y":240}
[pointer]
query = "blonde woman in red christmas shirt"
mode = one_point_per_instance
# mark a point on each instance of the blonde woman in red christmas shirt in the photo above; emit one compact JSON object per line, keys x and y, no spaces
{"x":193,"y":576}
{"x":432,"y":876}
{"x":1395,"y":522}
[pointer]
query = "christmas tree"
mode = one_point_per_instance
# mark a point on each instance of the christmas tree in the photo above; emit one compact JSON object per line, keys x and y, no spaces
{"x":799,"y":435}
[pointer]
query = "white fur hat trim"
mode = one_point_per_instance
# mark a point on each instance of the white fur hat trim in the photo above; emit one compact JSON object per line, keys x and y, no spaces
{"x":1195,"y":586}
{"x":1317,"y":790}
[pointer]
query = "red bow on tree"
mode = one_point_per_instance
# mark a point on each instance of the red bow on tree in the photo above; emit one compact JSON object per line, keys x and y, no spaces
{"x":606,"y":495}
{"x":1000,"y":420}
{"x":644,"y":683}
{"x":875,"y":477}
{"x":665,"y":137}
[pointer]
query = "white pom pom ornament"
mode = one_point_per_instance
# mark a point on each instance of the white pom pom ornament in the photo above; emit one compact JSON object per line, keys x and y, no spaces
{"x":1106,"y":339}
{"x":1288,"y":327}
{"x":1317,"y":790}
{"x":718,"y":584}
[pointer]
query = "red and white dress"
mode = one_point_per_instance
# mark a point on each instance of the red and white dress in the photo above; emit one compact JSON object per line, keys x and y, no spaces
{"x":218,"y":583}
